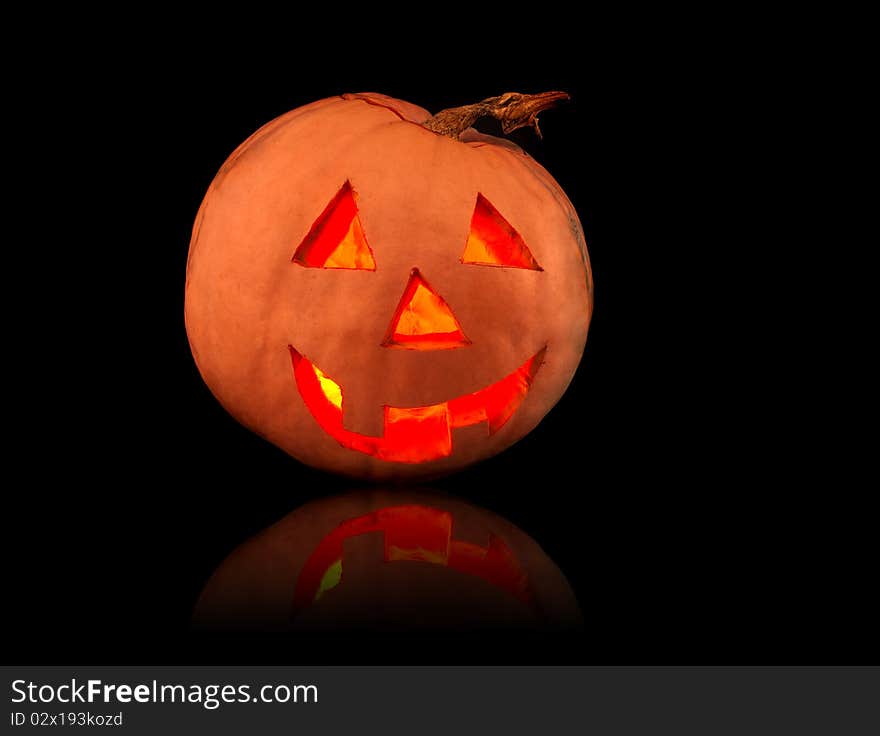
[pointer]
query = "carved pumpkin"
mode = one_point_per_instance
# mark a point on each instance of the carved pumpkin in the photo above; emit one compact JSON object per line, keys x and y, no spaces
{"x":384,"y":294}
{"x":398,"y":560}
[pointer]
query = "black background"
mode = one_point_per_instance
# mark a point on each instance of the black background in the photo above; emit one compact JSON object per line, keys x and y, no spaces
{"x":664,"y":483}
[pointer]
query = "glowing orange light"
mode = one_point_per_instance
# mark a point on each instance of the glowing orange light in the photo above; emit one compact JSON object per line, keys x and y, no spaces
{"x":416,"y":434}
{"x":496,"y":403}
{"x":493,"y":241}
{"x":414,"y":533}
{"x":423,"y":320}
{"x":336,"y":239}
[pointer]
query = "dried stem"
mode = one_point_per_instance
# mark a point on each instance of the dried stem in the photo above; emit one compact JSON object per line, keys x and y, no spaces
{"x":513,"y":109}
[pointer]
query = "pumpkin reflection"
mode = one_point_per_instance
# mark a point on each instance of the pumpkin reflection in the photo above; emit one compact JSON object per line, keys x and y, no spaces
{"x":372,"y":559}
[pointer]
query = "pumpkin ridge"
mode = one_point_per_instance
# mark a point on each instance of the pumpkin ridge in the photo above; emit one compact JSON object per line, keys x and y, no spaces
{"x":543,"y":177}
{"x":369,"y":101}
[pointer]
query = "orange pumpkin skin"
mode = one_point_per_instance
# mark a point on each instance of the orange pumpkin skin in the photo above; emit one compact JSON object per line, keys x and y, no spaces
{"x":262,"y":584}
{"x":250,"y":308}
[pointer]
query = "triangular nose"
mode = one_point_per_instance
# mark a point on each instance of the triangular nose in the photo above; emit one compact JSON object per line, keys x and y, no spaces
{"x":423,"y":320}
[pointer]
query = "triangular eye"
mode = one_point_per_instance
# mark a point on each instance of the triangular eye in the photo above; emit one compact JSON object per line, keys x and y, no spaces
{"x":336,"y":239}
{"x":493,"y":241}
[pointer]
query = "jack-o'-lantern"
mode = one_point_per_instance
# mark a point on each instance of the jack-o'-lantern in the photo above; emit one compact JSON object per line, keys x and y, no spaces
{"x":386,"y":294}
{"x":405,"y":559}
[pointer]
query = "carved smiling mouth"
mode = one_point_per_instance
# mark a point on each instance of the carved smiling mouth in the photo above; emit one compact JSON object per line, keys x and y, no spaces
{"x":420,"y":433}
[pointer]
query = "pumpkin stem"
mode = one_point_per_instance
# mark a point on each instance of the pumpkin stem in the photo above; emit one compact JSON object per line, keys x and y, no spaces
{"x":513,"y":109}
